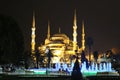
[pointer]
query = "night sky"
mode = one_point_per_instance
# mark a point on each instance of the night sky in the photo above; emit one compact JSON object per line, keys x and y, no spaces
{"x":101,"y":18}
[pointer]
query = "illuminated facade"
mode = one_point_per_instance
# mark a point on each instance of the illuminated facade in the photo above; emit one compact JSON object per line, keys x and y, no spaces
{"x":61,"y":46}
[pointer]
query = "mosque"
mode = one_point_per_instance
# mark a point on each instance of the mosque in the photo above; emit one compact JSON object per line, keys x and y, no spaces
{"x":61,"y":46}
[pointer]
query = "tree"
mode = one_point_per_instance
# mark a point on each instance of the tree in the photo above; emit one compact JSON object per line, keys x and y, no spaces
{"x":49,"y":55}
{"x":84,"y":59}
{"x":11,"y":40}
{"x":27,"y":59}
{"x":95,"y":54}
{"x":76,"y":73}
{"x":37,"y":54}
{"x":89,"y":42}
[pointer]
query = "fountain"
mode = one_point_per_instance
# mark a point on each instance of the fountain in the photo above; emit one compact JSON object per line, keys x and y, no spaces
{"x":94,"y":68}
{"x":102,"y":69}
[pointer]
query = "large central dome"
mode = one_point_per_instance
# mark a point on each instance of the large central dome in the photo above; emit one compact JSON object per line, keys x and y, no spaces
{"x":60,"y":37}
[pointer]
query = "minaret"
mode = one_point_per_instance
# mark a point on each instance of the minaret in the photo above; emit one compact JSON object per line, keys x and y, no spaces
{"x":48,"y":34}
{"x":47,"y":40}
{"x":33,"y":35}
{"x":75,"y":32}
{"x":83,"y":36}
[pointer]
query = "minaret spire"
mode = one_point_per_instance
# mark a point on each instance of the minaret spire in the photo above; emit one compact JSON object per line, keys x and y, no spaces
{"x":83,"y":36}
{"x":75,"y":32}
{"x":75,"y":20}
{"x":48,"y":35}
{"x":59,"y":30}
{"x":33,"y":35}
{"x":33,"y":22}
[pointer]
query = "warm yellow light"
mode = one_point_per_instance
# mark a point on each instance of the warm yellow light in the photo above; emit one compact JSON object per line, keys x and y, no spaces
{"x":57,"y":52}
